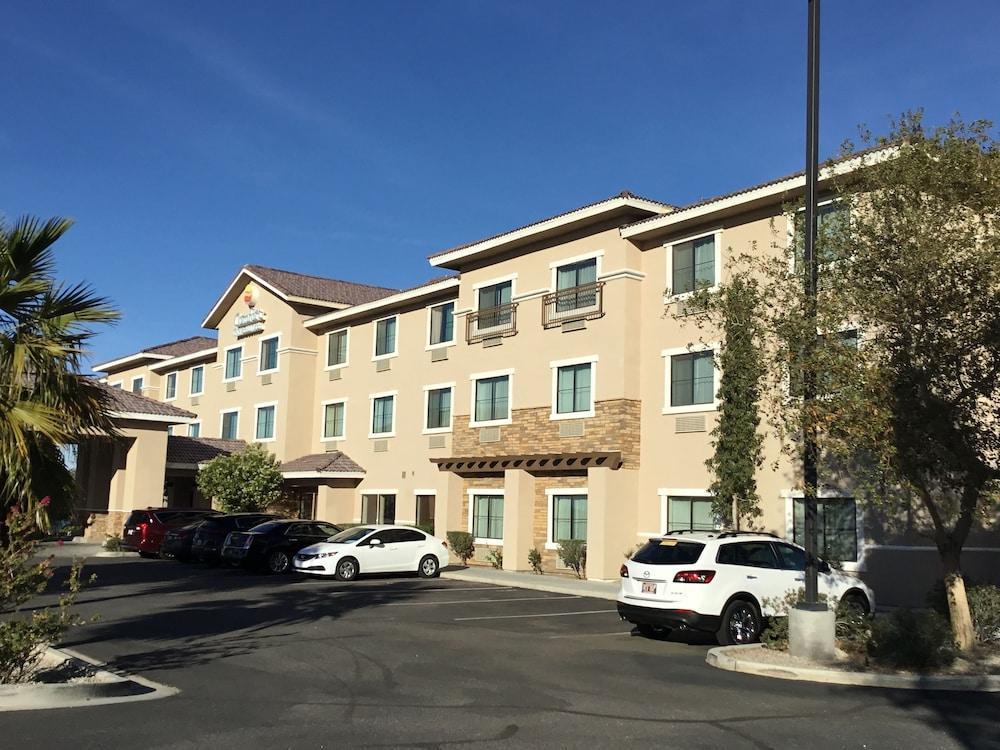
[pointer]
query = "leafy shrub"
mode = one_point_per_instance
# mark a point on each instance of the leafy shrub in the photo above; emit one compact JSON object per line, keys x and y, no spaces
{"x":573,"y":553}
{"x":247,"y":481}
{"x":427,"y":527}
{"x":113,"y":543}
{"x":984,"y":602}
{"x":495,"y":557}
{"x":912,"y":640}
{"x":535,"y":560}
{"x":461,"y":544}
{"x":853,"y":628}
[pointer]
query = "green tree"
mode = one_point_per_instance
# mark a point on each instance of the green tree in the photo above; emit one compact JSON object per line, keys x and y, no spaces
{"x":241,"y":482}
{"x":45,"y":327}
{"x":735,"y":310}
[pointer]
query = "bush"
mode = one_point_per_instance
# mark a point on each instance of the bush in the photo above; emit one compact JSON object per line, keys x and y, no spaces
{"x":573,"y":553}
{"x":249,"y":481}
{"x":984,"y":602}
{"x":113,"y":543}
{"x":427,"y":527}
{"x":535,"y":560}
{"x":461,"y":545}
{"x":912,"y":640}
{"x":495,"y":557}
{"x":853,"y":629}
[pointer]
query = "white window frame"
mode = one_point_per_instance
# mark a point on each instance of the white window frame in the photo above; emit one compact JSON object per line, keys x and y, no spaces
{"x":256,"y":416}
{"x":419,"y":493}
{"x":191,"y":392}
{"x":471,"y":493}
{"x":454,"y":328}
{"x":790,"y":496}
{"x":116,"y":384}
{"x":451,"y":421}
{"x":665,"y":493}
{"x":361,"y":502}
{"x":694,"y":348}
{"x":669,"y":248}
{"x":194,"y":424}
{"x":555,"y":265}
{"x":371,"y":414}
{"x":511,"y":277}
{"x":554,"y":367}
{"x":166,"y":385}
{"x":394,"y":352}
{"x":277,"y":354}
{"x":510,"y":398}
{"x":550,"y":494}
{"x":142,"y":379}
{"x":222,"y":416}
{"x":225,"y":358}
{"x":322,"y":419}
{"x":790,"y":233}
{"x":347,"y":354}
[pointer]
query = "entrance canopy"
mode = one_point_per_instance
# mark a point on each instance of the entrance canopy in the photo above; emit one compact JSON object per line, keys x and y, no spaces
{"x":319,"y":466}
{"x":565,"y":462}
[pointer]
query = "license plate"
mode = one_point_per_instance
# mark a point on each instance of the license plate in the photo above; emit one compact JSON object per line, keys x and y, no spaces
{"x":648,"y":587}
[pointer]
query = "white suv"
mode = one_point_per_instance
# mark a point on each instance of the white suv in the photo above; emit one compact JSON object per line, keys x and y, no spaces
{"x":721,"y":582}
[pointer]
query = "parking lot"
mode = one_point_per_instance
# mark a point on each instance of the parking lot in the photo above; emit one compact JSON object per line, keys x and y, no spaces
{"x":265,"y":661}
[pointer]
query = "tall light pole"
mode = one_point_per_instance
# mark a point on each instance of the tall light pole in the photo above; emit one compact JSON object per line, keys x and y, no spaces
{"x":809,"y":437}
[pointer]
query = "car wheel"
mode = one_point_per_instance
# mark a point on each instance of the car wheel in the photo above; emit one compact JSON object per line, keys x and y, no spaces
{"x":148,"y":555}
{"x":740,"y":624}
{"x":428,"y":567}
{"x":347,"y":569}
{"x":279,"y":562}
{"x":857,"y":603}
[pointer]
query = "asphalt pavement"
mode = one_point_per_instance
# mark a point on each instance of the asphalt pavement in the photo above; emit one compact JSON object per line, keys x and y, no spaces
{"x":284,"y":662}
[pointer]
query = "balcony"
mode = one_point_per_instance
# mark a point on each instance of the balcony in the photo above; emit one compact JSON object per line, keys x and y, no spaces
{"x":491,"y":323}
{"x":584,"y":302}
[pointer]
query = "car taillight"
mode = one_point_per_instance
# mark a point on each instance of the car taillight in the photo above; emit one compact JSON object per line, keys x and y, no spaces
{"x":143,"y":527}
{"x":444,"y":544}
{"x":694,"y":576}
{"x":624,"y":571}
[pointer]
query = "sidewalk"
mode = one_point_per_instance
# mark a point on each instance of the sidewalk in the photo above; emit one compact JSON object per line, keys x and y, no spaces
{"x":533,"y":581}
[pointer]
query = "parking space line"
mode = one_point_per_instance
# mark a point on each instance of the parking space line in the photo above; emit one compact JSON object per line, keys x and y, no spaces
{"x":480,"y":601}
{"x":420,"y":590}
{"x":549,"y":614}
{"x":591,"y":635}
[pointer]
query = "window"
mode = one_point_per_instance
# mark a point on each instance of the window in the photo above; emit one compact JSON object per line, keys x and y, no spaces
{"x":336,"y":349}
{"x":197,"y":380}
{"x":171,"y":388}
{"x":137,"y":386}
{"x":425,"y":512}
{"x":265,"y":422}
{"x":573,"y":389}
{"x":748,"y":554}
{"x":194,"y":429}
{"x":568,"y":280}
{"x":833,"y":363}
{"x":492,"y":301}
{"x":117,"y":385}
{"x":442,"y":324}
{"x":791,"y":558}
{"x":836,"y":528}
{"x":234,"y":363}
{"x":668,"y":552}
{"x":694,"y":513}
{"x":832,"y":224}
{"x":439,"y":409}
{"x":569,"y":518}
{"x":492,"y":399}
{"x":692,"y":379}
{"x":385,"y":337}
{"x":380,"y":508}
{"x":693,"y":265}
{"x":230,"y":425}
{"x":333,"y":420}
{"x":382,"y":413}
{"x":487,"y":516}
{"x":268,"y":355}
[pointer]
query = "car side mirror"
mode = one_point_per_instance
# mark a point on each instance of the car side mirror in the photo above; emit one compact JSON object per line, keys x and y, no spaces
{"x":375,"y":543}
{"x":824,"y":567}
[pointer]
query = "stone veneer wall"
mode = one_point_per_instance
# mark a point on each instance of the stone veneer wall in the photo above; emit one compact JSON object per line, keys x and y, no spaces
{"x":615,"y":427}
{"x":101,"y":525}
{"x":478,"y":483}
{"x":540,"y":524}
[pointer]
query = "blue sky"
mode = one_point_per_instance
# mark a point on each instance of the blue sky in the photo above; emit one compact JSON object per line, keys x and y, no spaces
{"x":354,"y":139}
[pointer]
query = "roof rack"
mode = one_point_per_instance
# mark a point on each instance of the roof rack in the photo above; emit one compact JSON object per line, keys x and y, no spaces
{"x":689,"y":531}
{"x":728,"y":534}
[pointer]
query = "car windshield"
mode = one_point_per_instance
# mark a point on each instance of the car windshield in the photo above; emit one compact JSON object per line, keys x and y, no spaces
{"x":265,"y":528}
{"x":350,"y":535}
{"x":668,"y":552}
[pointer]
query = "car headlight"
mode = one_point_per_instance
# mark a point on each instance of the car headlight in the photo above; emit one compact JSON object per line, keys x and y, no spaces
{"x":326,"y":554}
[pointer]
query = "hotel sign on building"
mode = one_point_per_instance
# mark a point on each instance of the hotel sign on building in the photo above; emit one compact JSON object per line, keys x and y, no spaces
{"x":252,"y":321}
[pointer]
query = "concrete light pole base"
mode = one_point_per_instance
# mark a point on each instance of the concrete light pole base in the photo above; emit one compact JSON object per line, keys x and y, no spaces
{"x":811,"y":630}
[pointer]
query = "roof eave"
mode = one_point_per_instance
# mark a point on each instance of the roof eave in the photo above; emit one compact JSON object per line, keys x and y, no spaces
{"x":323,"y":474}
{"x":138,"y":416}
{"x":396,"y":299}
{"x":184,"y":359}
{"x":118,"y":364}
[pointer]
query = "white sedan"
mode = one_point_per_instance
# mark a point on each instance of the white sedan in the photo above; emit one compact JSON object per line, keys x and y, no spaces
{"x":371,"y":548}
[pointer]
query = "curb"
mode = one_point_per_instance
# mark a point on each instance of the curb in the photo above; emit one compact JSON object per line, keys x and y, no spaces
{"x":107,"y":553}
{"x":117,"y":688}
{"x":550,"y":585}
{"x":722,"y":658}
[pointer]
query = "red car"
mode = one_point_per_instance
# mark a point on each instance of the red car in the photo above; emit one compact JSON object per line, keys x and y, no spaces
{"x":144,"y":529}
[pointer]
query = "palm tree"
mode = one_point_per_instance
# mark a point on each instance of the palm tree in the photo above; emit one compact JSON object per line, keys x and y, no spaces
{"x":44,"y":401}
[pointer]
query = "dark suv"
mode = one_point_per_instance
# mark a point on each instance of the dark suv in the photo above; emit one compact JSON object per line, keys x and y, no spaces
{"x":272,"y":545}
{"x":207,"y":542}
{"x":144,"y":529}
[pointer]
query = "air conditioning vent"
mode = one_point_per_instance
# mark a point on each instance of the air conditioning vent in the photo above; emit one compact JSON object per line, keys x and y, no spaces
{"x":383,"y":365}
{"x":436,"y":441}
{"x":380,"y":446}
{"x":439,"y":355}
{"x":230,"y":387}
{"x":688,"y":307}
{"x":574,"y":325}
{"x":570,"y":429}
{"x":489,"y":435}
{"x":693,"y":423}
{"x":265,"y":380}
{"x":494,"y":341}
{"x":195,"y":401}
{"x":335,"y":374}
{"x":332,"y":446}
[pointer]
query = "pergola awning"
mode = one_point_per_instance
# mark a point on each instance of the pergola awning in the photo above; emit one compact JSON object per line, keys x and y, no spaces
{"x":559,"y":462}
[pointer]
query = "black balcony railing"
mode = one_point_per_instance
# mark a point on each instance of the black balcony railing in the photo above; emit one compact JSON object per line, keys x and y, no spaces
{"x":491,"y":322}
{"x":584,"y":302}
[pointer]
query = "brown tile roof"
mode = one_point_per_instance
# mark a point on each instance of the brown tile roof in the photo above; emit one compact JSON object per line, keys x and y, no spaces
{"x":319,"y":287}
{"x":623,"y":194}
{"x":192,"y":450}
{"x":120,"y":400}
{"x":334,"y":461}
{"x":181,"y":347}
